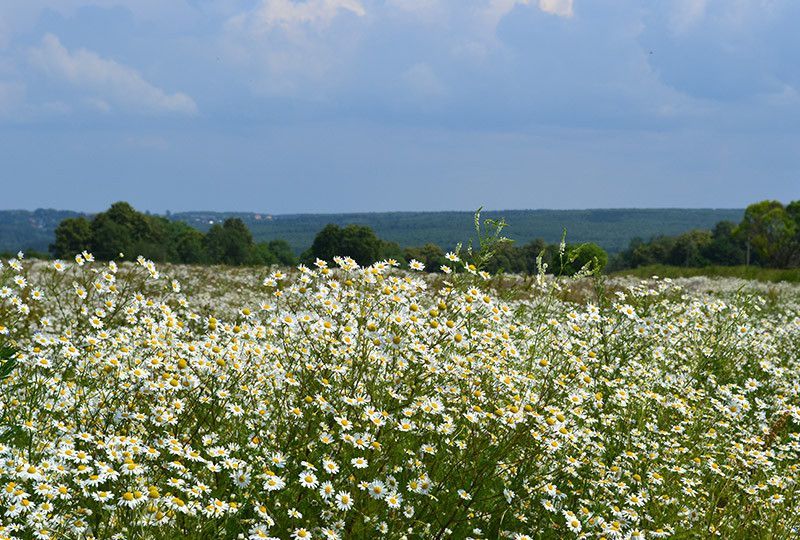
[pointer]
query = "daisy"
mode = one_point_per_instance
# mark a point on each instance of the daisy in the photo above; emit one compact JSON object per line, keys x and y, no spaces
{"x":359,"y":462}
{"x":394,"y":500}
{"x":344,"y":501}
{"x":308,"y":479}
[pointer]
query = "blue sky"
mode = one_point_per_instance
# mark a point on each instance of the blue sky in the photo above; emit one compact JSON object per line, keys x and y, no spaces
{"x":290,"y":106}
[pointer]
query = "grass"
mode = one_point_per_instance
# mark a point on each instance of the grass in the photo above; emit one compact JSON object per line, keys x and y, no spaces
{"x":773,"y":275}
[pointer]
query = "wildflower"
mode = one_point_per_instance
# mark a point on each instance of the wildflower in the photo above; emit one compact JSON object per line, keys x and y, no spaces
{"x":308,"y":479}
{"x":359,"y":462}
{"x":330,"y":466}
{"x":393,"y":500}
{"x":344,"y":501}
{"x":573,"y":524}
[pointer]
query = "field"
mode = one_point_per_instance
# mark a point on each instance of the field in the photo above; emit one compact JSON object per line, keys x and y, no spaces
{"x":610,"y":229}
{"x":343,"y":402}
{"x":775,"y":275}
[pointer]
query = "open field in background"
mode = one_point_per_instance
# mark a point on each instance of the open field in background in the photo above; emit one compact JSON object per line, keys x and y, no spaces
{"x":610,"y":229}
{"x":198,"y":402}
{"x":738,"y":272}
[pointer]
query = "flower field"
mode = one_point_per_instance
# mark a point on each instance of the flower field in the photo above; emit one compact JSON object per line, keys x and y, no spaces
{"x":348,"y":402}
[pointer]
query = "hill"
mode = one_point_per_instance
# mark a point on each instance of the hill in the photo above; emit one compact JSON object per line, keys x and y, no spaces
{"x":612,"y":229}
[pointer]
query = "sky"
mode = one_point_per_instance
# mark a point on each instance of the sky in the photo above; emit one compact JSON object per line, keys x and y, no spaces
{"x":292,"y":106}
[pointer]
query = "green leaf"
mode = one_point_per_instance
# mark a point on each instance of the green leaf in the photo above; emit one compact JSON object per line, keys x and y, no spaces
{"x":7,"y":355}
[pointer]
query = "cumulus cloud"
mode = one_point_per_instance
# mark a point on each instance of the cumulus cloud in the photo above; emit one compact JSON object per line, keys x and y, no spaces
{"x":496,"y":10}
{"x":286,"y":13}
{"x":562,"y":8}
{"x":687,"y":13}
{"x":109,"y":82}
{"x":293,"y":48}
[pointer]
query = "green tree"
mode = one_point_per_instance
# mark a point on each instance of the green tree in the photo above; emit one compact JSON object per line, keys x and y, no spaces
{"x":120,"y":229}
{"x":361,"y":244}
{"x":109,"y":239}
{"x":391,"y":250}
{"x":588,"y":255}
{"x":356,"y":241}
{"x":431,"y":255}
{"x":327,"y":244}
{"x":793,"y":209}
{"x":768,"y":230}
{"x":188,"y":243}
{"x":688,"y":249}
{"x":72,"y":236}
{"x":532,"y":251}
{"x":261,"y":254}
{"x":230,"y":243}
{"x":507,"y":258}
{"x":283,"y":252}
{"x":725,"y":248}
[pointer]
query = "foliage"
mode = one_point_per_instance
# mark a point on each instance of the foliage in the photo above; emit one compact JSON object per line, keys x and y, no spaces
{"x":771,"y":231}
{"x":430,"y":255}
{"x":590,"y":257}
{"x":230,"y":243}
{"x":121,"y":230}
{"x":73,"y":235}
{"x":610,"y":229}
{"x":356,"y":241}
{"x":768,"y":236}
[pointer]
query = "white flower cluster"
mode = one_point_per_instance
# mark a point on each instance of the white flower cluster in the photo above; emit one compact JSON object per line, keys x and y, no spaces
{"x":370,"y":402}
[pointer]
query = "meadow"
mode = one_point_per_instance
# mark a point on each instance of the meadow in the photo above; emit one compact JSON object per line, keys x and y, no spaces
{"x":773,"y":275}
{"x":338,"y":401}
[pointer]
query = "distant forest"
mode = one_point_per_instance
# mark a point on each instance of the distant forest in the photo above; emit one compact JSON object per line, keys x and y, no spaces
{"x":613,"y":230}
{"x":767,"y":235}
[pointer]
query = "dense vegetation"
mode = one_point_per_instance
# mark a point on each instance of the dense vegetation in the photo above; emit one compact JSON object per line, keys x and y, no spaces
{"x":610,"y":229}
{"x":767,"y":236}
{"x":123,"y":230}
{"x":30,"y":231}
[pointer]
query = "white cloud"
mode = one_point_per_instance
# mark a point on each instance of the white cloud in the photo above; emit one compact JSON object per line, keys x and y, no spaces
{"x":286,"y":13}
{"x":687,"y":13}
{"x":562,"y":8}
{"x":424,"y":11}
{"x":497,"y":9}
{"x":108,"y":81}
{"x":290,"y":47}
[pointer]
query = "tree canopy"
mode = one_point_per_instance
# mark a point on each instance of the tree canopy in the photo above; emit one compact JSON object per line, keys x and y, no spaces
{"x":123,"y":231}
{"x":768,"y":235}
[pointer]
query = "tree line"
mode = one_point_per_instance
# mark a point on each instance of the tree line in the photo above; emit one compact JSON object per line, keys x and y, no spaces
{"x":123,"y":230}
{"x":768,"y":236}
